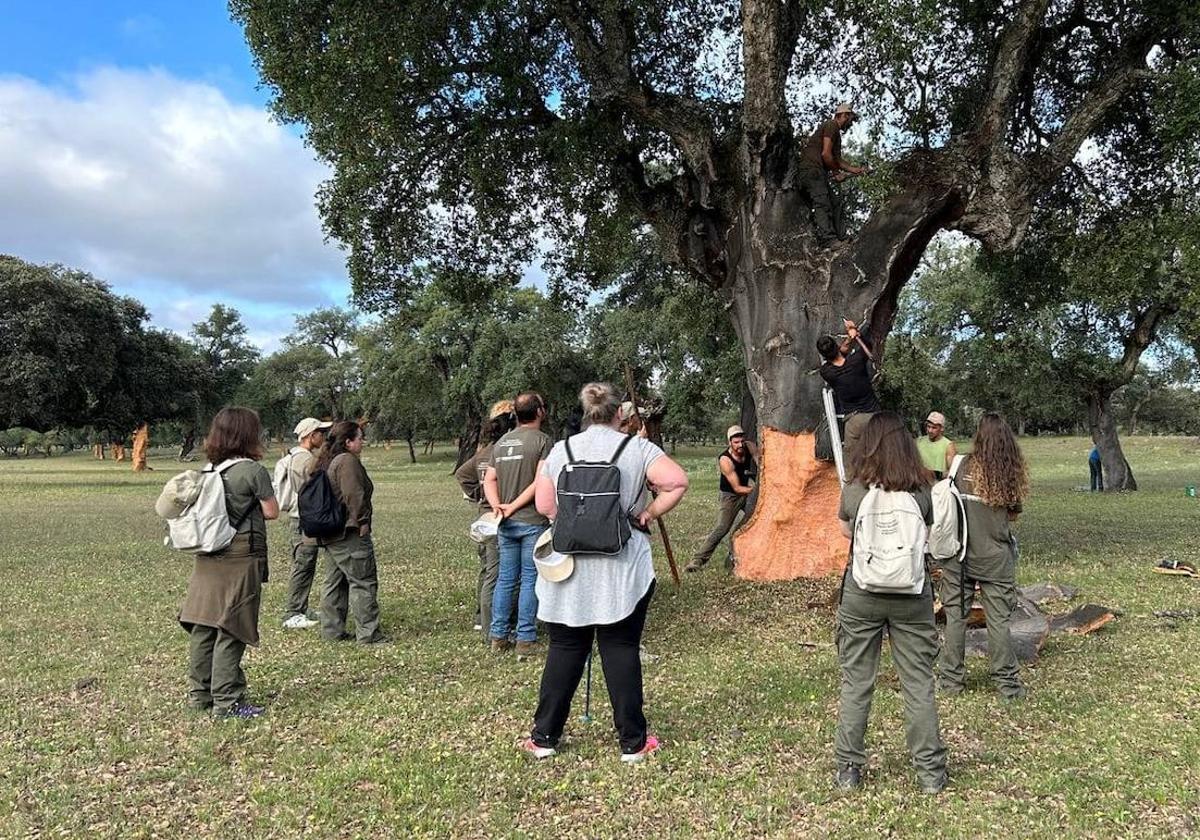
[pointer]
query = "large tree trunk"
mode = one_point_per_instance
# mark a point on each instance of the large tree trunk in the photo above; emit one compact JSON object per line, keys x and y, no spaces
{"x":468,"y":441}
{"x":141,"y":445}
{"x":784,"y":294}
{"x":1102,"y":422}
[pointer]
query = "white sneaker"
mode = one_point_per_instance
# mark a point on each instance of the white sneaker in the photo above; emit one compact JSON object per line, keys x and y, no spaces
{"x":299,"y":621}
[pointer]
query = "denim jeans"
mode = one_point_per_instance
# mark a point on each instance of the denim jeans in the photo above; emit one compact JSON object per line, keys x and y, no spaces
{"x":516,"y":541}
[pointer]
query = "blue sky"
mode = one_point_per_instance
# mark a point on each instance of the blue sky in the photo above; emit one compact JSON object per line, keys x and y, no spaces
{"x":135,"y":144}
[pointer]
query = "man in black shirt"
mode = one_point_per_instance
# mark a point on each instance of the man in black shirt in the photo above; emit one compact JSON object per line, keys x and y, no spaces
{"x":847,"y":370}
{"x":738,"y":467}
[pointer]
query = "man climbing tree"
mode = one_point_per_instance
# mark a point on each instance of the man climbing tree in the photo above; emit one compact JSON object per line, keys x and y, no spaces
{"x":463,"y":134}
{"x":821,"y":167}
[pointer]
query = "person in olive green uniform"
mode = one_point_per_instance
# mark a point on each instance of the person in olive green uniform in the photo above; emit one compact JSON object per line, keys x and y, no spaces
{"x":220,"y":611}
{"x":470,"y":478}
{"x":352,"y":583}
{"x":888,"y":459}
{"x":821,"y":165}
{"x":937,"y":450}
{"x":509,"y":488}
{"x":995,"y":480}
{"x":310,"y":436}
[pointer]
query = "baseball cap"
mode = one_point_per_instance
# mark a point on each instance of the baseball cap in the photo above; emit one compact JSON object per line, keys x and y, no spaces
{"x":551,"y":565}
{"x":845,"y":108}
{"x":309,"y":425}
{"x":936,"y":418}
{"x":733,"y":431}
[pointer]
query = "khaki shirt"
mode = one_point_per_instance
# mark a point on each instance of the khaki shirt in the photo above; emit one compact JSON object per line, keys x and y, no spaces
{"x":515,"y":458}
{"x":299,"y":469}
{"x":990,"y":552}
{"x":810,"y":157}
{"x":354,"y":487}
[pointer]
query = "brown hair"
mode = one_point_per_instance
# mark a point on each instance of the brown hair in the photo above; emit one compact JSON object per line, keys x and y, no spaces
{"x":998,"y":468}
{"x":235,"y":433}
{"x":887,"y":456}
{"x":339,"y":434}
{"x":526,"y":406}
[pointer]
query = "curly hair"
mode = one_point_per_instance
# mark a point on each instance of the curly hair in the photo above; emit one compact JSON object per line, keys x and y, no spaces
{"x":998,"y":469}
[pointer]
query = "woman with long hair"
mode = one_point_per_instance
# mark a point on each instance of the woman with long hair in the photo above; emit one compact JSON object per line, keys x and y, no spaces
{"x":352,"y":583}
{"x":887,"y":458}
{"x":588,"y":598}
{"x":220,"y":612}
{"x":995,"y":481}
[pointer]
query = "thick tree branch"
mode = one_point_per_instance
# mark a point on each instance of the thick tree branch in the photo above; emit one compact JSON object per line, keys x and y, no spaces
{"x":1010,"y":65}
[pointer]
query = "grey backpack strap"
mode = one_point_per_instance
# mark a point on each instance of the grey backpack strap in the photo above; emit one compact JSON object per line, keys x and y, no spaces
{"x":620,"y":449}
{"x":567,"y":447}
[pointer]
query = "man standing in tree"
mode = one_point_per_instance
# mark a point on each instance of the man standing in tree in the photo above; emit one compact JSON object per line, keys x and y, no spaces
{"x":847,"y":370}
{"x":937,"y":451}
{"x":294,"y":469}
{"x":820,"y":164}
{"x":739,"y":466}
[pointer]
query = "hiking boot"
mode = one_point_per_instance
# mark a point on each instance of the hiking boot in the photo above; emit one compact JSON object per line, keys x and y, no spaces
{"x":949,"y":689}
{"x":848,"y":777}
{"x":298,"y":621}
{"x":1014,"y":695}
{"x":241,"y":710}
{"x":529,"y":746}
{"x":377,"y":639}
{"x":340,"y":637}
{"x":501,"y":645}
{"x":528,"y":650}
{"x":693,"y":567}
{"x":652,"y":745}
{"x":935,"y":786}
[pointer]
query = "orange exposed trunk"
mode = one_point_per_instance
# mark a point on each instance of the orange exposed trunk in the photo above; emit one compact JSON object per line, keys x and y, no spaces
{"x":141,"y":442}
{"x":793,"y":532}
{"x":98,"y":451}
{"x":118,"y":450}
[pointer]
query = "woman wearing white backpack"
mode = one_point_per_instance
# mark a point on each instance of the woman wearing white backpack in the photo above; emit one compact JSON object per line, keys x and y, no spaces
{"x":885,"y":511}
{"x":994,"y":481}
{"x":220,"y":611}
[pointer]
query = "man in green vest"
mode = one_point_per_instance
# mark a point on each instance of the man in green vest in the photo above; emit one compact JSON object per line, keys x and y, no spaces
{"x":937,"y":450}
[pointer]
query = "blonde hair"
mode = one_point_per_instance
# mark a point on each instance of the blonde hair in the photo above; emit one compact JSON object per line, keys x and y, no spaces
{"x":599,"y":401}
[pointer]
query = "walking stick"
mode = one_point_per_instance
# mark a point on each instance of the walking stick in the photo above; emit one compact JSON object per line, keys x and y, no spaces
{"x":662,"y":525}
{"x":587,"y":696}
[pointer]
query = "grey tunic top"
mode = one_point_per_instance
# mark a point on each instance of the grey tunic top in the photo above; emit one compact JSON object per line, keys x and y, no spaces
{"x":603,"y":589}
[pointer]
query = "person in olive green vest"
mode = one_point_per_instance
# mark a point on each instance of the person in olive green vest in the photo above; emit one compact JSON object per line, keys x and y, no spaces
{"x":220,"y":611}
{"x":995,"y":481}
{"x":310,"y":437}
{"x":889,"y":460}
{"x":352,"y":583}
{"x":937,"y":450}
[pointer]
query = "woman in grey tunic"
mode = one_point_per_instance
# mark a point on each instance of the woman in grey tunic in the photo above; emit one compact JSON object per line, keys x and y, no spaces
{"x":606,"y":597}
{"x":220,"y":612}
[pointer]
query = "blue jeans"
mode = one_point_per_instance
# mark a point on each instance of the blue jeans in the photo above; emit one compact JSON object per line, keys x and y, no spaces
{"x":516,"y":542}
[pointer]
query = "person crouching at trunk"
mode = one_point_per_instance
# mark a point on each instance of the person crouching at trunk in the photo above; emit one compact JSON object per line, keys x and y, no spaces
{"x":890,"y":488}
{"x":352,"y":583}
{"x":220,"y":612}
{"x":603,"y":597}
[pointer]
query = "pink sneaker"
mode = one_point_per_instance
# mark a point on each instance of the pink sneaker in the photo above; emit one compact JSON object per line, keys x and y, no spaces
{"x":652,"y":745}
{"x":534,"y":750}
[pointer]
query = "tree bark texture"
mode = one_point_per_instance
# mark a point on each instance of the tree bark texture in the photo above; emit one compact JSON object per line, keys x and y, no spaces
{"x":141,"y":445}
{"x":1102,"y":423}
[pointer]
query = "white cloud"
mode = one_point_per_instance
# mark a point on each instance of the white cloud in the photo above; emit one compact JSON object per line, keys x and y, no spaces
{"x":169,"y":191}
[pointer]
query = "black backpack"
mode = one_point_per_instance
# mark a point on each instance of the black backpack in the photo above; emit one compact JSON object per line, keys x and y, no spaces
{"x":322,"y":513}
{"x":590,"y":517}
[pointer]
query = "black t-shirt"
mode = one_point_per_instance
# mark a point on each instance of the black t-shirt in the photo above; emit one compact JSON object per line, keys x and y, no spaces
{"x":743,"y":469}
{"x":851,"y":383}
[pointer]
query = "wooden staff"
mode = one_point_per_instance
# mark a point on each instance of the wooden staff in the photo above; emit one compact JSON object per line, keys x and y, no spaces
{"x":662,"y":526}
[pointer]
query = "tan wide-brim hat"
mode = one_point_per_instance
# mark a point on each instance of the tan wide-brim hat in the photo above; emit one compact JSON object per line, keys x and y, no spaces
{"x":936,"y":418}
{"x":499,"y":408}
{"x":487,"y":525}
{"x":551,"y":565}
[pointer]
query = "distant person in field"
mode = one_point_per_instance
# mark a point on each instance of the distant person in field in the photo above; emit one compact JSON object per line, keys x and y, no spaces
{"x":995,"y":481}
{"x":351,"y":585}
{"x":937,"y":450}
{"x":738,"y":468}
{"x":1096,"y":468}
{"x":821,"y":168}
{"x":508,"y":486}
{"x":889,"y":461}
{"x":470,"y":477}
{"x":601,"y":598}
{"x":220,"y":611}
{"x":847,"y":370}
{"x":296,"y":466}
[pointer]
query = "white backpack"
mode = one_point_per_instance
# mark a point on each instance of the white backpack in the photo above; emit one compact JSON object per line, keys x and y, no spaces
{"x":285,"y":493}
{"x":203,"y":523}
{"x":887,"y":551}
{"x":948,"y":536}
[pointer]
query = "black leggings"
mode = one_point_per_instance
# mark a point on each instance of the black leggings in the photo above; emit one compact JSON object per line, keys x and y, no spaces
{"x":620,"y":653}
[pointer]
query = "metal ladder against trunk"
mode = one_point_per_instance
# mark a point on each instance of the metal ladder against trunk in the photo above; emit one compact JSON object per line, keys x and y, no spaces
{"x":835,"y":432}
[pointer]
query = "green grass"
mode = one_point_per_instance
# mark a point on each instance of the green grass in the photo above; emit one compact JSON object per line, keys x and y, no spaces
{"x":416,"y":738}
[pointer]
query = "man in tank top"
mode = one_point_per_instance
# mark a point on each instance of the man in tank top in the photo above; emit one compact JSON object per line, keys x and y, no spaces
{"x":738,"y":467}
{"x":937,"y":450}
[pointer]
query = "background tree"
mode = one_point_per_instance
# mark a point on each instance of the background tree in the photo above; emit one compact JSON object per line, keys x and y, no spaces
{"x":462,"y":133}
{"x":221,"y":340}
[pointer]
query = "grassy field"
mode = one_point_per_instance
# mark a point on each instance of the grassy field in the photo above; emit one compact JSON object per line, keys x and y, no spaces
{"x":416,"y":738}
